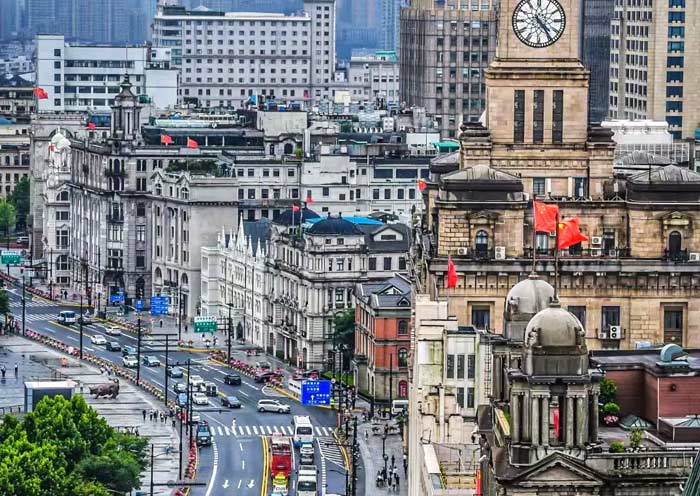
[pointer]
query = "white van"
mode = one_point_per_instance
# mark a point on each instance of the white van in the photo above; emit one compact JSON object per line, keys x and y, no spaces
{"x":303,"y":430}
{"x":399,"y":406}
{"x":307,"y":480}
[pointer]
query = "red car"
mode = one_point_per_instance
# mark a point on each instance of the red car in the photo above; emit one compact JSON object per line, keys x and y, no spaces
{"x":265,"y":376}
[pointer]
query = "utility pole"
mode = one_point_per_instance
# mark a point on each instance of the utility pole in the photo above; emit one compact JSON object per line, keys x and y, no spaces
{"x":179,"y":466}
{"x":152,"y":460}
{"x":179,"y":313}
{"x":391,"y":382}
{"x":355,"y":456}
{"x":51,"y":273}
{"x":80,"y":322}
{"x":230,"y":330}
{"x":167,"y":340}
{"x":189,"y":400}
{"x":138,"y":351}
{"x":24,"y":306}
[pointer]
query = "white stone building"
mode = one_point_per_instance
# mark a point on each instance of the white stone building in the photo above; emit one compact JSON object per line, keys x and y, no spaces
{"x":374,"y":79}
{"x":14,"y":155}
{"x":227,"y":57}
{"x":84,"y":77}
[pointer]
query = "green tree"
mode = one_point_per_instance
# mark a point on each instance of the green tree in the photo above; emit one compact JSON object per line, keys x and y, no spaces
{"x":8,"y":218}
{"x":4,"y":302}
{"x":345,"y":333}
{"x":608,"y":391}
{"x":635,"y":436}
{"x":19,"y":198}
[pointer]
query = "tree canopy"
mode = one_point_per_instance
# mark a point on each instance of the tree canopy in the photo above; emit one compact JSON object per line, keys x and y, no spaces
{"x":8,"y":216}
{"x":4,"y":302}
{"x":65,"y":447}
{"x":345,"y":332}
{"x":19,"y":198}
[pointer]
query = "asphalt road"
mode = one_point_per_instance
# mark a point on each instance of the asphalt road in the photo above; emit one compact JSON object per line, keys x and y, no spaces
{"x":233,"y":465}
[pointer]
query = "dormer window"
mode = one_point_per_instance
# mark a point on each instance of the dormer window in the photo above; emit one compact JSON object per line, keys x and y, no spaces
{"x":159,"y":189}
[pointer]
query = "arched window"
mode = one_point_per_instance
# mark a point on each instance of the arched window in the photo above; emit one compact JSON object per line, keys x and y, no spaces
{"x":62,"y":196}
{"x":159,"y":189}
{"x":403,"y":357}
{"x":62,"y":262}
{"x":675,"y":242}
{"x":288,"y":149}
{"x":184,"y":281}
{"x":481,"y":244}
{"x":158,"y":275}
{"x":403,"y":327}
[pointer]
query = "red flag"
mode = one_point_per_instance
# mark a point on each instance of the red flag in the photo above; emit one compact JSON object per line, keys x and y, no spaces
{"x":451,"y":273}
{"x":570,"y":234}
{"x":165,"y":139}
{"x":40,"y":93}
{"x":422,"y":184}
{"x":545,"y":217}
{"x":296,"y":208}
{"x":309,"y":200}
{"x":192,"y":143}
{"x":555,"y":415}
{"x":91,"y":125}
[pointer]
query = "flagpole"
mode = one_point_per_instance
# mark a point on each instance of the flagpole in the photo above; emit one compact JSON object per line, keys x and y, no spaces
{"x":556,"y":257}
{"x":534,"y":241}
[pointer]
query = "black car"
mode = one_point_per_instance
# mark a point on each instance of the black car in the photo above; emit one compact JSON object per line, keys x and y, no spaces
{"x":174,"y":372}
{"x":265,"y":376}
{"x":230,"y":401}
{"x":180,"y":387}
{"x":113,"y":346}
{"x":232,"y":379}
{"x":203,"y":434}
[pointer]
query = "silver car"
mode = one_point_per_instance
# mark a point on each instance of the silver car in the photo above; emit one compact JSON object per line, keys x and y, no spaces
{"x":273,"y":406}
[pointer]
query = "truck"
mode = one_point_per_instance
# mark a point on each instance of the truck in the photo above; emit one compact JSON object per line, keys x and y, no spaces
{"x":307,"y":480}
{"x":281,"y":455}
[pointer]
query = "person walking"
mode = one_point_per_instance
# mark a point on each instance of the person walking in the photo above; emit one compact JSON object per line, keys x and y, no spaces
{"x":233,"y":425}
{"x":405,"y":465}
{"x":366,"y":434}
{"x":143,"y":412}
{"x":16,"y":369}
{"x":393,"y":461}
{"x":396,"y":481}
{"x":2,"y":371}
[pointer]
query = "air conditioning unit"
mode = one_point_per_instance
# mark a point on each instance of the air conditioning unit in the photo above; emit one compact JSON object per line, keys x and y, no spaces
{"x":596,"y":240}
{"x":612,"y":253}
{"x":500,"y":252}
{"x":694,"y":257}
{"x":615,"y":332}
{"x":463,"y":251}
{"x":602,"y":335}
{"x":596,"y":253}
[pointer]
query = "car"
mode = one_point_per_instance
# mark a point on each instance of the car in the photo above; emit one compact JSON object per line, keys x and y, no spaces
{"x":263,"y":365}
{"x":230,"y":401}
{"x":174,"y":372}
{"x":195,"y":419}
{"x":113,"y":331}
{"x":22,"y":239}
{"x":98,"y":339}
{"x":181,"y":399}
{"x":267,"y":405}
{"x":130,"y":362}
{"x":85,"y":319}
{"x":200,"y":399}
{"x":151,"y":361}
{"x":180,"y":387}
{"x":196,"y":381}
{"x":264,"y":376}
{"x":203,"y":434}
{"x":128,"y":350}
{"x":113,"y":346}
{"x":305,"y":374}
{"x":232,"y":379}
{"x":306,"y":454}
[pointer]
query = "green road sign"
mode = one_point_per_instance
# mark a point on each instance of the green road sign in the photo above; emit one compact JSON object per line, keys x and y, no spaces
{"x":204,"y":324}
{"x":10,"y":257}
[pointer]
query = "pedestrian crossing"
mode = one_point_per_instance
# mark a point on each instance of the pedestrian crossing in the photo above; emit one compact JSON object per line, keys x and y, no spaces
{"x":331,"y":451}
{"x":262,"y":430}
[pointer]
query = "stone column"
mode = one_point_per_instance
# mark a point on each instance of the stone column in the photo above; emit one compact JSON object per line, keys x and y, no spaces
{"x":545,"y":421}
{"x":496,"y":375}
{"x":525,"y":412}
{"x":581,"y":421}
{"x":515,"y":416}
{"x":569,"y":439}
{"x":535,"y":420}
{"x":593,"y":419}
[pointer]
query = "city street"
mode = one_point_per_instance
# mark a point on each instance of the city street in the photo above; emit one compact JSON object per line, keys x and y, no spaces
{"x":234,"y":462}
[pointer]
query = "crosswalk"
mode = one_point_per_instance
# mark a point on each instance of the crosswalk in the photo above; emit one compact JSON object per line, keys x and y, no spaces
{"x":262,"y":430}
{"x":330,"y":451}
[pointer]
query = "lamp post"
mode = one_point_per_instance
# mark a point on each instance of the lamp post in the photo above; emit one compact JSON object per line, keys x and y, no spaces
{"x":179,"y":313}
{"x":24,"y":304}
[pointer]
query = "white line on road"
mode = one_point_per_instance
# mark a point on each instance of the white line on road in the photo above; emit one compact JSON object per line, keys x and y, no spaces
{"x":242,"y":464}
{"x":214,"y":469}
{"x":244,"y":393}
{"x":251,"y":386}
{"x":240,"y":481}
{"x":240,"y":445}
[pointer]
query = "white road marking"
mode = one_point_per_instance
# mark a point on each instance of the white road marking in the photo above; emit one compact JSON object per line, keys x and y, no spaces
{"x":255,"y":430}
{"x":227,"y":431}
{"x":244,"y":393}
{"x":214,"y":469}
{"x":239,"y":483}
{"x":240,"y":445}
{"x":248,"y":430}
{"x":274,"y":427}
{"x":242,"y":464}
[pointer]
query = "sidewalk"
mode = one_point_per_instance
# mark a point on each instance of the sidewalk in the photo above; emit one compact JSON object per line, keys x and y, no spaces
{"x":125,"y":412}
{"x":371,"y":454}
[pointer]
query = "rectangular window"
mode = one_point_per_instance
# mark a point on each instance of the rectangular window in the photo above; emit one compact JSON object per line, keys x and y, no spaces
{"x":519,"y":116}
{"x":402,"y":263}
{"x":460,"y":366}
{"x":471,"y":365}
{"x":610,"y":316}
{"x":470,"y":397}
{"x":450,"y":366}
{"x":387,"y":263}
{"x":326,"y":191}
{"x":673,"y":325}
{"x":140,"y":259}
{"x":372,"y":263}
{"x":375,"y":194}
{"x":481,"y":318}
{"x":538,"y":186}
{"x":558,"y":116}
{"x":387,"y":194}
{"x":579,"y":312}
{"x":140,"y":233}
{"x":538,"y":117}
{"x":460,"y":397}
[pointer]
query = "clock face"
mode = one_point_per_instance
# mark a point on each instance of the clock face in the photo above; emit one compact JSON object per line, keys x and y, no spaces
{"x":539,"y":23}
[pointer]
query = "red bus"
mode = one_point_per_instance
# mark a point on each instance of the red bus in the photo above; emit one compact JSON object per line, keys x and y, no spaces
{"x":281,"y":459}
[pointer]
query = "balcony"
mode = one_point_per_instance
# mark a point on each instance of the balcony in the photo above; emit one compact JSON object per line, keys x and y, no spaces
{"x":678,"y":256}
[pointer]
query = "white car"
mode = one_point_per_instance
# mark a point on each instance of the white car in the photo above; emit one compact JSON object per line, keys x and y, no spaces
{"x":130,"y":361}
{"x":113,"y":331}
{"x":98,"y":339}
{"x":196,"y":381}
{"x":200,"y":399}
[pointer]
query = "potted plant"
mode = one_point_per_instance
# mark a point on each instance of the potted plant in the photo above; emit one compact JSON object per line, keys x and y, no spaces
{"x":611,"y":413}
{"x":617,"y":447}
{"x":635,"y":436}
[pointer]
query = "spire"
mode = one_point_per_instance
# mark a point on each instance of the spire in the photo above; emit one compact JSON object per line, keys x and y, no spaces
{"x":240,"y":237}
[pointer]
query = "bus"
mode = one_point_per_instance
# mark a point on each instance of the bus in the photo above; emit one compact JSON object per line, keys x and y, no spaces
{"x":66,"y":317}
{"x":281,"y":459}
{"x":303,"y":430}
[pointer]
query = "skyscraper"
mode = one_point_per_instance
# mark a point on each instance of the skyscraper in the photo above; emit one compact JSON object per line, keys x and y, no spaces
{"x":595,"y":54}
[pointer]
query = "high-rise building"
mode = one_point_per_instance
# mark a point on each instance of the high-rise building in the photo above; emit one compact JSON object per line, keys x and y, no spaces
{"x":226,"y":58}
{"x":596,"y":16}
{"x":8,"y":19}
{"x":444,"y":52}
{"x":389,"y":17}
{"x":652,"y":70}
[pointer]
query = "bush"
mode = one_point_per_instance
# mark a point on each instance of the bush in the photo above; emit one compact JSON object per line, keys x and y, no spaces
{"x":611,"y":408}
{"x":617,"y":447}
{"x":608,"y":391}
{"x":635,"y":436}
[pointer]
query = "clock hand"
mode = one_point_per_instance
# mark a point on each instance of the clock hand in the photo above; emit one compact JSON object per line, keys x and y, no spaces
{"x":544,"y":27}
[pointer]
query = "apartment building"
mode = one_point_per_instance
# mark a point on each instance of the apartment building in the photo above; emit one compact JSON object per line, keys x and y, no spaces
{"x":15,"y":155}
{"x":374,"y":79}
{"x":652,"y":73}
{"x":445,"y":49}
{"x":16,"y":96}
{"x":229,"y":58}
{"x":87,"y":77}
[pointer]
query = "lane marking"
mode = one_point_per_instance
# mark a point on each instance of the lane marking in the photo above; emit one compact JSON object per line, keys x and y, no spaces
{"x":214,"y":469}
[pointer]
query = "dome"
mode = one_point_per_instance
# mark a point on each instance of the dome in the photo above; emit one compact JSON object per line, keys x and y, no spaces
{"x":335,"y":226}
{"x":529,"y":296}
{"x":289,"y":217}
{"x":554,"y":327}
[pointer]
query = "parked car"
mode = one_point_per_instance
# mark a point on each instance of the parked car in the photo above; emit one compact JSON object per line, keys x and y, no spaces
{"x":130,"y":362}
{"x":180,"y":387}
{"x":174,"y":372}
{"x":113,"y":331}
{"x":128,"y":350}
{"x":113,"y":346}
{"x":22,"y":240}
{"x":264,"y":376}
{"x":230,"y":401}
{"x":267,"y":405}
{"x":200,"y":399}
{"x":98,"y":339}
{"x":306,"y":374}
{"x":196,"y":381}
{"x":232,"y":379}
{"x":203,"y":434}
{"x":151,"y":361}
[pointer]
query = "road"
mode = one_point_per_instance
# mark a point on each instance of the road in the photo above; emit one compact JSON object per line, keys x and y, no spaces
{"x":234,"y":462}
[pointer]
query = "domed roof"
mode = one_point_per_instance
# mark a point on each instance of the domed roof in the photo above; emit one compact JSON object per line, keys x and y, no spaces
{"x":554,"y":327}
{"x":336,"y":226}
{"x":529,"y":296}
{"x":289,"y":217}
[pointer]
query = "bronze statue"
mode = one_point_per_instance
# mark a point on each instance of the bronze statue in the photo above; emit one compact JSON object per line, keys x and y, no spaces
{"x":110,"y":389}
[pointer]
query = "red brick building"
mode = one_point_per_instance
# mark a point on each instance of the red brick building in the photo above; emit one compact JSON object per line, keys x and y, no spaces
{"x":382,"y":338}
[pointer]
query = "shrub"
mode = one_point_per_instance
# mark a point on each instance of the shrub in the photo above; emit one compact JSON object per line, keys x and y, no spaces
{"x":635,"y":436}
{"x":617,"y":447}
{"x":611,"y":408}
{"x":608,"y":391}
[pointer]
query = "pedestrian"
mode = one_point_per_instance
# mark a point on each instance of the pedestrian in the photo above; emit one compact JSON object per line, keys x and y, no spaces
{"x":366,"y":434}
{"x":185,"y":328}
{"x":150,"y":415}
{"x":393,"y":461}
{"x":384,"y":474}
{"x":233,"y":425}
{"x":396,"y":481}
{"x":16,"y":369}
{"x":143,"y":412}
{"x":160,"y":323}
{"x":405,"y":465}
{"x":2,"y":370}
{"x":173,"y":422}
{"x":163,"y":417}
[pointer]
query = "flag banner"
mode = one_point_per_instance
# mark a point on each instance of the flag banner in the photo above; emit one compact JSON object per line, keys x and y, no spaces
{"x":569,"y":234}
{"x":451,"y":273}
{"x":545,"y":217}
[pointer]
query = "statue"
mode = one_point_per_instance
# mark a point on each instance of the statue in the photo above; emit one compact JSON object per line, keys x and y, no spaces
{"x":110,"y":389}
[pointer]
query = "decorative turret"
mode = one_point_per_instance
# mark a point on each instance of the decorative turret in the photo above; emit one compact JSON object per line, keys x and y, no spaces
{"x":126,"y":113}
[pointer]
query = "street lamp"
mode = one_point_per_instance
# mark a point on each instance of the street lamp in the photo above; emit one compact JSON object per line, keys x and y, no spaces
{"x":384,"y":455}
{"x":24,"y":303}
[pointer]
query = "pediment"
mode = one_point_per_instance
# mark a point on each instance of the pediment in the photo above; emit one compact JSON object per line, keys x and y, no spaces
{"x":559,"y":469}
{"x":676,"y":218}
{"x":483,"y":215}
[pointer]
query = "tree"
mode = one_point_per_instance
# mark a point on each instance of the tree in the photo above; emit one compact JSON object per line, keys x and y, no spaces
{"x":345,"y":332}
{"x":8,"y":218}
{"x":19,"y":198}
{"x":4,"y":302}
{"x":608,"y":391}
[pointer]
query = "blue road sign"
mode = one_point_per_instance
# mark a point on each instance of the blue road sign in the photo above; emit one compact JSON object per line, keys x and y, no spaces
{"x":159,"y":305}
{"x":117,"y":298}
{"x":139,"y":305}
{"x":316,"y":392}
